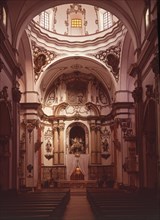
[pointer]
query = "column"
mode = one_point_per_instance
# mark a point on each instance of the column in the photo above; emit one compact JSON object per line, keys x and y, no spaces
{"x":61,"y":144}
{"x":56,"y":142}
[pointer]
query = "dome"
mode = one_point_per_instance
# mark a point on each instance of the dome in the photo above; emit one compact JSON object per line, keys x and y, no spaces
{"x":75,"y":20}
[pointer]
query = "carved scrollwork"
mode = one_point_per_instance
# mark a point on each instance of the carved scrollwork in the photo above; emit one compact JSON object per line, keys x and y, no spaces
{"x":42,"y":58}
{"x":111,"y":58}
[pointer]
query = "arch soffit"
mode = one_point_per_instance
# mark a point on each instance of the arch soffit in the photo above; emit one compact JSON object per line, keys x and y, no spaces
{"x":80,"y":124}
{"x":64,"y":66}
{"x":113,"y":7}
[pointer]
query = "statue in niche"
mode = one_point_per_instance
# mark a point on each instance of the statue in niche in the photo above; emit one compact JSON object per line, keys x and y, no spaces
{"x":51,"y":98}
{"x":48,"y":146}
{"x":77,"y":145}
{"x":105,"y":135}
{"x":102,"y":96}
{"x":80,"y":98}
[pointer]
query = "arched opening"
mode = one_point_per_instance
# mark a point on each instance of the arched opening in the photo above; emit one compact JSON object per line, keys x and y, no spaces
{"x":77,"y":140}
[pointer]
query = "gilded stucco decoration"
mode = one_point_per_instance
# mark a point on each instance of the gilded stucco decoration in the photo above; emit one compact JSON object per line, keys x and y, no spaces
{"x":111,"y":57}
{"x":54,"y":19}
{"x":76,"y":9}
{"x":41,"y":58}
{"x":77,"y":94}
{"x":96,"y":21}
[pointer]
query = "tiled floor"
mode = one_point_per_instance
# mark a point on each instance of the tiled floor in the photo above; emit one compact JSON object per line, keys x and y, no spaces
{"x":78,"y":207}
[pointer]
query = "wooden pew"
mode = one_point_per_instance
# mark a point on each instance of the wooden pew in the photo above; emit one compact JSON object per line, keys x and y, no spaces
{"x":34,"y":206}
{"x":117,"y":205}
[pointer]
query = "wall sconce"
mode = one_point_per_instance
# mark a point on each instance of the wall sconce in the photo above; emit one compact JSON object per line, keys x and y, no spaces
{"x":49,"y":156}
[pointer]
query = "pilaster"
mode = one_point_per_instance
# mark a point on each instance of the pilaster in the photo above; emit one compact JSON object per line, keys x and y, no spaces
{"x":61,"y":142}
{"x":56,"y":141}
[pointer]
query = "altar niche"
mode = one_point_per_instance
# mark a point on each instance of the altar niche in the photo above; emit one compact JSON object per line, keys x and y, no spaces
{"x":77,"y":140}
{"x":77,"y":157}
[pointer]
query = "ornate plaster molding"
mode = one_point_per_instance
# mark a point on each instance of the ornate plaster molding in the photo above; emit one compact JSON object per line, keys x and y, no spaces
{"x":42,"y":57}
{"x":111,"y":58}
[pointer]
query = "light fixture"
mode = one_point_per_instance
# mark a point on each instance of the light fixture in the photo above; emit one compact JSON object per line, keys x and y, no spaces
{"x":78,"y":171}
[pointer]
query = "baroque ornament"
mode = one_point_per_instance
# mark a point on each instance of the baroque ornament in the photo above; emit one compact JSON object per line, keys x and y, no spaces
{"x":42,"y":58}
{"x":74,"y":10}
{"x":111,"y":58}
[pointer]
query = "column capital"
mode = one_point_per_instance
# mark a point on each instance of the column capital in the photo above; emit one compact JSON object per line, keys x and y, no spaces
{"x":61,"y":127}
{"x":93,"y":127}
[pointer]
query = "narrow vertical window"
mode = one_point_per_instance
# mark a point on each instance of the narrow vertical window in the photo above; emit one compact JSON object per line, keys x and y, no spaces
{"x":147,"y":18}
{"x":4,"y":16}
{"x":44,"y":20}
{"x":107,"y":20}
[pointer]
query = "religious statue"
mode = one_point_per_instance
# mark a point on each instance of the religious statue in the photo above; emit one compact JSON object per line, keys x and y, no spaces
{"x":77,"y":145}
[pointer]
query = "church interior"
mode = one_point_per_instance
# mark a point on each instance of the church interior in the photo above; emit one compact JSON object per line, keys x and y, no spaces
{"x":79,"y":108}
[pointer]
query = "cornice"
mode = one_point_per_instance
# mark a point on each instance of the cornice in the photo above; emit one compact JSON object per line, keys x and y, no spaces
{"x":37,"y":35}
{"x":121,"y":106}
{"x":30,"y":105}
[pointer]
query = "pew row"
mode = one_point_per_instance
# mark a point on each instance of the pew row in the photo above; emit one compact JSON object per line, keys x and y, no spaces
{"x":34,"y":205}
{"x":120,"y":205}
